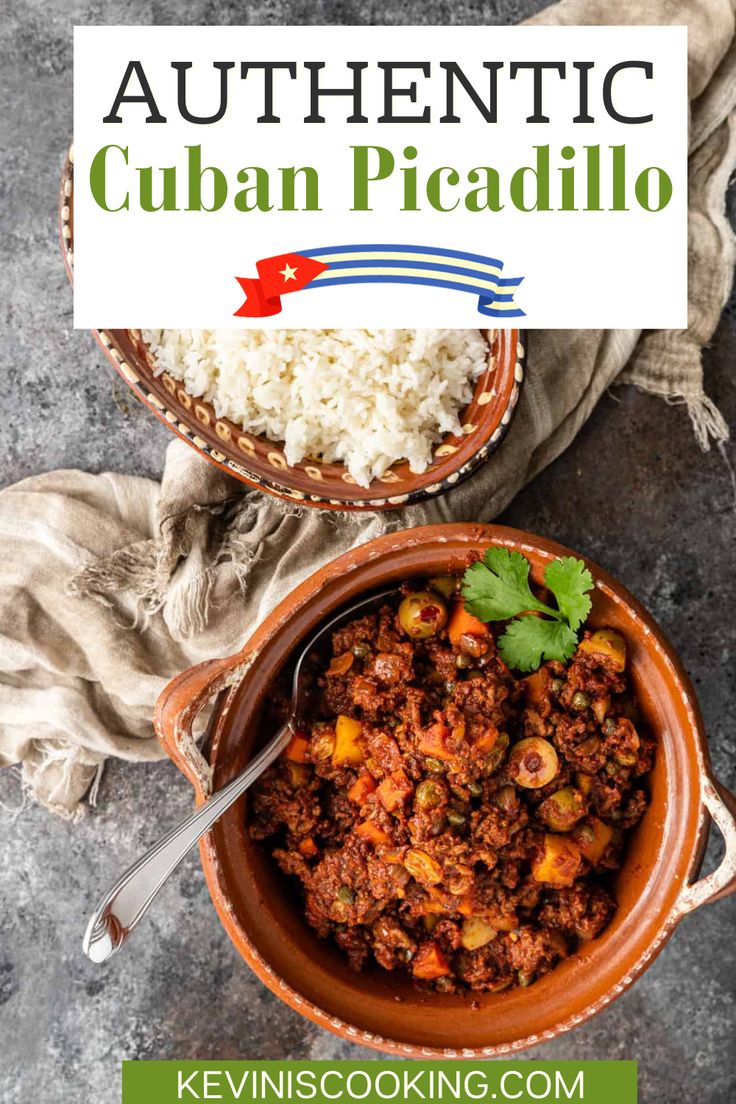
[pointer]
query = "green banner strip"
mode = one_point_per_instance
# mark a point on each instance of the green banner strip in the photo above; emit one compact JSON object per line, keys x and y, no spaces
{"x":377,"y":1082}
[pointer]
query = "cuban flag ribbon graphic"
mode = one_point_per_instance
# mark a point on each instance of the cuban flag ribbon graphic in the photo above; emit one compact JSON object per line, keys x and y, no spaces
{"x":374,"y":264}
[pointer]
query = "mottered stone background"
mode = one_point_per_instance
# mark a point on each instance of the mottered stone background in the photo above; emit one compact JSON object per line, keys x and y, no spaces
{"x":633,"y":491}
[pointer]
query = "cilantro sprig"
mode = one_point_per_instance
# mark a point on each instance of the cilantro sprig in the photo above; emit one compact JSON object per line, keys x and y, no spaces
{"x":497,"y":589}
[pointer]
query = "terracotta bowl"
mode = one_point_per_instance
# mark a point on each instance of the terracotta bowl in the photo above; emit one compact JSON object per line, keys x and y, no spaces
{"x":261,"y":463}
{"x":259,"y":908}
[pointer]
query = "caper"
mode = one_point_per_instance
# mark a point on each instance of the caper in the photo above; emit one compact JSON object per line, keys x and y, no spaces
{"x":435,"y":765}
{"x":475,"y":789}
{"x":455,"y":818}
{"x":557,"y":685}
{"x":449,"y":687}
{"x":524,"y":979}
{"x":422,"y":614}
{"x":580,"y":700}
{"x":430,"y":794}
{"x":346,"y":895}
{"x":361,"y":651}
{"x":609,"y":726}
{"x":463,"y":661}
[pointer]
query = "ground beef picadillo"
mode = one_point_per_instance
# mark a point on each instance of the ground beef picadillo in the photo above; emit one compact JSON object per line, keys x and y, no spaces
{"x":445,"y":816}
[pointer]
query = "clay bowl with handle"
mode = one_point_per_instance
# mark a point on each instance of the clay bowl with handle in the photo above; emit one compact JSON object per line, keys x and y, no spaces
{"x":261,"y":910}
{"x":262,"y":463}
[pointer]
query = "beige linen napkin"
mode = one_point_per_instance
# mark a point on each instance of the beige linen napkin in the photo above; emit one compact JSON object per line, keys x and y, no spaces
{"x":110,"y":585}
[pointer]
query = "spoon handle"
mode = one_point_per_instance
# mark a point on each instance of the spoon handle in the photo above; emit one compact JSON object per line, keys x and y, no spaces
{"x":126,"y":902}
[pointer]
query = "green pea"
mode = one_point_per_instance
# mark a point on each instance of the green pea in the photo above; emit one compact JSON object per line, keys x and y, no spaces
{"x":435,"y":765}
{"x":455,"y":818}
{"x":580,"y":700}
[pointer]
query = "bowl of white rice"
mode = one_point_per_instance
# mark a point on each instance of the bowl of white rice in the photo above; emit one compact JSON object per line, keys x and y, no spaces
{"x":339,"y":419}
{"x":342,"y":420}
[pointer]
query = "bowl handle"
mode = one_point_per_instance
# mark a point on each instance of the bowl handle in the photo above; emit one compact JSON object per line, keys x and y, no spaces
{"x":721,"y":804}
{"x":179,"y":705}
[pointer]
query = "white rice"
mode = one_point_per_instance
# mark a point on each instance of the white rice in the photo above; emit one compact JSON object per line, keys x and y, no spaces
{"x":367,"y":398}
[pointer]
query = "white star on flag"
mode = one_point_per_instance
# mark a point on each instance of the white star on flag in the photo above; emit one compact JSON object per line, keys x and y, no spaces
{"x":288,"y":273}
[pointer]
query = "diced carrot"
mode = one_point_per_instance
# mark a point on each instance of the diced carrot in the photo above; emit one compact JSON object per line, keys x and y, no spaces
{"x":372,"y":832}
{"x":433,"y":741}
{"x":394,"y":790}
{"x":297,"y":748}
{"x":430,"y":962}
{"x":559,"y":862}
{"x":348,"y":750}
{"x":487,"y":739}
{"x":537,"y":686}
{"x":308,"y":847}
{"x":463,"y":622}
{"x":363,"y":788}
{"x":341,"y":664}
{"x":465,"y":905}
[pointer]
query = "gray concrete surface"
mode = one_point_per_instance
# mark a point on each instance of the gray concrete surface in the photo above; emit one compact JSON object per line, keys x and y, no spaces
{"x":633,"y":491}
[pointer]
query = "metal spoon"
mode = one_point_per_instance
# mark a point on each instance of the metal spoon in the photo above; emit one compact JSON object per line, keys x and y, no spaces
{"x":126,"y":902}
